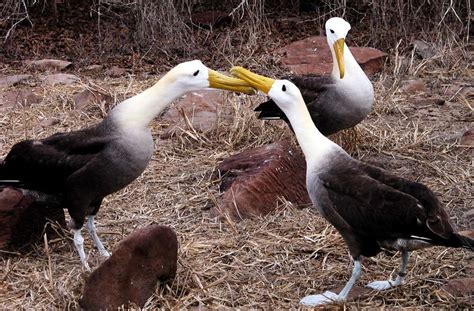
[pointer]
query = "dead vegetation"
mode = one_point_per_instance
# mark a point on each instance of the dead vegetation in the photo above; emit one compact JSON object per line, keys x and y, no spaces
{"x":272,"y":262}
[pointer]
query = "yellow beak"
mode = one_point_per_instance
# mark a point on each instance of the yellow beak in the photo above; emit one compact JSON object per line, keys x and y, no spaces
{"x":259,"y":82}
{"x":220,"y":81}
{"x":339,"y":50}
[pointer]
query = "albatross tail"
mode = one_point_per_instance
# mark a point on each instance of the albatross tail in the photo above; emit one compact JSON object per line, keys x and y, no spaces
{"x":463,"y":241}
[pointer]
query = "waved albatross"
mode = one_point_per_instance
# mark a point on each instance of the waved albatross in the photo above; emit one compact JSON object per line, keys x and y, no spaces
{"x":371,"y":208}
{"x":337,"y":101}
{"x":84,"y":166}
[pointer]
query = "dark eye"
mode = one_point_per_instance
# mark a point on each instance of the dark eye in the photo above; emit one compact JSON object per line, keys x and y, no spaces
{"x":332,"y":31}
{"x":196,"y":73}
{"x":283,"y":88}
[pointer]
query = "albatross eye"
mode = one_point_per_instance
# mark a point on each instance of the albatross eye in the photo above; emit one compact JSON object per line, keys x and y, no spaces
{"x":332,"y":31}
{"x":196,"y":73}
{"x":283,"y":88}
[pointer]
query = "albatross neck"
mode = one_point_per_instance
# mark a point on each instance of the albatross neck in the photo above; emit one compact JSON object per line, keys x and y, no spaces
{"x":316,"y":147}
{"x":355,"y":85}
{"x":352,"y":67}
{"x":139,"y":110}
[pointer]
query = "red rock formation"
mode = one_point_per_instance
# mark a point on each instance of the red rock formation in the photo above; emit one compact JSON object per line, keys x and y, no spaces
{"x":312,"y":56}
{"x":203,"y":109}
{"x":255,"y":179}
{"x":460,"y":287}
{"x":18,"y":98}
{"x":130,"y":275}
{"x":89,"y":97}
{"x":23,"y":219}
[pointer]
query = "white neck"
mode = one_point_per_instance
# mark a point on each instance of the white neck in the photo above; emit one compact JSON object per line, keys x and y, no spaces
{"x":355,"y":84}
{"x":139,"y":110}
{"x":316,"y":147}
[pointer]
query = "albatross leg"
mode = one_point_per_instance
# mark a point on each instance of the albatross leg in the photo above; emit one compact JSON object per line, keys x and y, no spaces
{"x":79,"y":243}
{"x":93,"y":232}
{"x":382,"y":285}
{"x":328,"y":296}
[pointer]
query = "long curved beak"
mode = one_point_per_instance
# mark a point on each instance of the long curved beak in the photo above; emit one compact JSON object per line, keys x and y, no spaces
{"x":220,"y":81}
{"x":339,"y":50}
{"x":259,"y":82}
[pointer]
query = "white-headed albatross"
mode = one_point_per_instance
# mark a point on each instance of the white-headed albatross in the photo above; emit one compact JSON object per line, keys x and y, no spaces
{"x":84,"y":166}
{"x":371,"y":208}
{"x":337,"y":101}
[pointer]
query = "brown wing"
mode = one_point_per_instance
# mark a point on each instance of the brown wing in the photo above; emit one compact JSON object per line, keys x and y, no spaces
{"x":436,"y":217}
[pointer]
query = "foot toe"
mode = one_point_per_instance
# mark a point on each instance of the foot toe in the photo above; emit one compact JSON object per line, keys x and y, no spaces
{"x":314,"y":300}
{"x":380,"y":285}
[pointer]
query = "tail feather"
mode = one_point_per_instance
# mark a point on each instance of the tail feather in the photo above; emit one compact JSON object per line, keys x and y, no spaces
{"x":464,"y":241}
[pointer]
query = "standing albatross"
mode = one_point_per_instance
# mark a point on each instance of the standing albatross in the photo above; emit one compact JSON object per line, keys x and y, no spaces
{"x":84,"y":166}
{"x":371,"y":208}
{"x":337,"y":101}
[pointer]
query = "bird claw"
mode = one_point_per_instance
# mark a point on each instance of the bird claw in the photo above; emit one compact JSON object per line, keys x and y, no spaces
{"x":324,"y":298}
{"x":381,"y":285}
{"x":104,"y":253}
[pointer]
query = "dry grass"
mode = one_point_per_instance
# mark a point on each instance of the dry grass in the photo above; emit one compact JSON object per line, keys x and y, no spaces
{"x":262,"y":263}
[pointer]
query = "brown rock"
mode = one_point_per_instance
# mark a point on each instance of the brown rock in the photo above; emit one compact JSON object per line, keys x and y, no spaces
{"x":255,"y":179}
{"x":413,"y":86}
{"x":467,"y":138}
{"x":20,"y":97}
{"x":313,"y":56}
{"x":23,"y":218}
{"x":60,"y":78}
{"x":12,"y":80}
{"x":203,"y":109}
{"x":47,"y":122}
{"x":116,"y":72}
{"x":49,"y":64}
{"x":459,"y":287}
{"x":130,"y":275}
{"x":89,"y":97}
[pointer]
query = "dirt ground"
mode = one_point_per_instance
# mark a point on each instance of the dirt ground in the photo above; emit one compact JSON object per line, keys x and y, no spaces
{"x":268,"y":262}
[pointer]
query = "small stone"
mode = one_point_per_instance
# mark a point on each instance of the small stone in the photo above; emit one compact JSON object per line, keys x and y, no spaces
{"x":93,"y":67}
{"x":90,"y":97}
{"x":47,"y":122}
{"x":20,"y":97}
{"x":467,"y":138}
{"x":147,"y":256}
{"x":12,"y":80}
{"x":116,"y":72}
{"x":60,"y":78}
{"x":424,"y":50}
{"x":254,"y":180}
{"x":49,"y":64}
{"x":468,"y":233}
{"x":459,"y":287}
{"x":413,"y":86}
{"x":23,"y":218}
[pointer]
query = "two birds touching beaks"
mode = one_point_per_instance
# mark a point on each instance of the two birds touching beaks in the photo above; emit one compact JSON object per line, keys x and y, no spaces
{"x":371,"y":208}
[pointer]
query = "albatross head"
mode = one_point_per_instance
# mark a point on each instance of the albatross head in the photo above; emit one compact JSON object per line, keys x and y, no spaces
{"x":283,"y":92}
{"x":336,"y":32}
{"x":194,"y":76}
